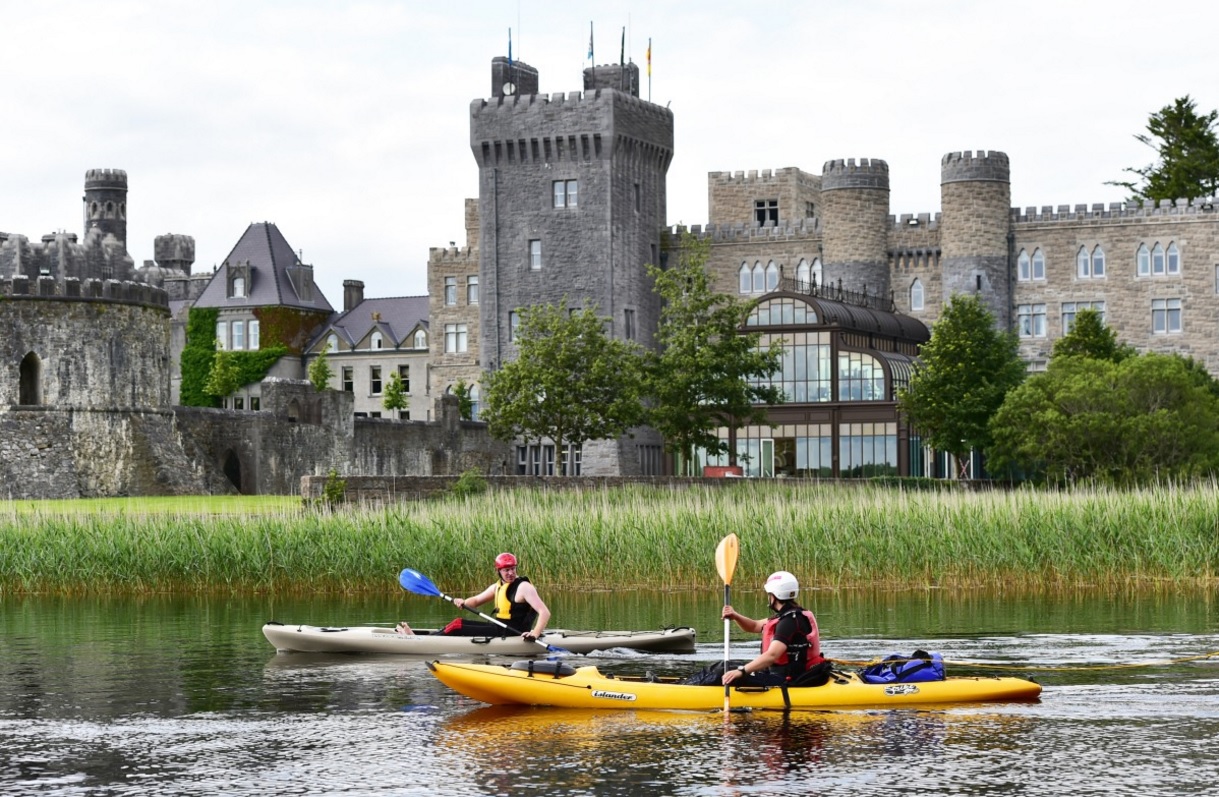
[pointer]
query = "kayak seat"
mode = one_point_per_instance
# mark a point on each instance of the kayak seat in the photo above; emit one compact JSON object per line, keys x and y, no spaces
{"x":558,"y":669}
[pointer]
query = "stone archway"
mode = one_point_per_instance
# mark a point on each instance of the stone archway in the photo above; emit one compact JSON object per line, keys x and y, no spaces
{"x":232,"y":469}
{"x":30,"y":390}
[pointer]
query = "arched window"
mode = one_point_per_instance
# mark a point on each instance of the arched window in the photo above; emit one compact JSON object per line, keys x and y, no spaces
{"x":1038,"y":264}
{"x":1024,"y":266}
{"x":30,"y":390}
{"x":1143,"y":261}
{"x":816,"y":271}
{"x":803,"y":275}
{"x":916,"y":295}
{"x":1157,"y":259}
{"x":1098,"y":262}
{"x":474,"y":395}
{"x":1083,"y":263}
{"x":1174,"y":259}
{"x":772,"y":276}
{"x":745,"y":279}
{"x":332,"y":344}
{"x":375,"y":341}
{"x":238,"y":287}
{"x":759,"y":278}
{"x":421,"y":340}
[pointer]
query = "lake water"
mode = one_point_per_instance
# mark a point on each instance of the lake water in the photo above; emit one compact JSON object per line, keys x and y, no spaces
{"x":184,"y":696}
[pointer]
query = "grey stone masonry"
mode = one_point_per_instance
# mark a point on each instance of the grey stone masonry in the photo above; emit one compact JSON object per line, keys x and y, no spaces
{"x":589,"y":249}
{"x":854,"y":221}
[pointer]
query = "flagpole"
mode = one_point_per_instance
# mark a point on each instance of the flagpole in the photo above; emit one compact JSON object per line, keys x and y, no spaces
{"x":649,"y":69}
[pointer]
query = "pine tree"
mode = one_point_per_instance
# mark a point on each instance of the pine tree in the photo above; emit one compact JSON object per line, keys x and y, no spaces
{"x":1188,"y":152}
{"x":320,"y":371}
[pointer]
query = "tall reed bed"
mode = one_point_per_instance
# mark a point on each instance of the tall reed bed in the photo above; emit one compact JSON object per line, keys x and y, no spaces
{"x":832,"y":536}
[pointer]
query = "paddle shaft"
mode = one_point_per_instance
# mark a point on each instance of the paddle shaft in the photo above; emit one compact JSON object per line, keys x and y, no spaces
{"x":727,"y":630}
{"x":500,"y":623}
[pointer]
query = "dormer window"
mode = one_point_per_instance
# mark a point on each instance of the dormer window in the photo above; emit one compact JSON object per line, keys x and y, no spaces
{"x":421,"y":340}
{"x":238,"y":288}
{"x":376,"y":341}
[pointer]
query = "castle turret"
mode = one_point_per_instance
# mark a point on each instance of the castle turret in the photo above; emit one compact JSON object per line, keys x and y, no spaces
{"x":975,"y":198}
{"x":175,"y":252}
{"x":106,"y":202}
{"x":854,"y":215}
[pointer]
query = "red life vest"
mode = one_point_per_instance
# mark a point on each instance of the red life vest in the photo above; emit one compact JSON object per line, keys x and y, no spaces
{"x":800,"y":655}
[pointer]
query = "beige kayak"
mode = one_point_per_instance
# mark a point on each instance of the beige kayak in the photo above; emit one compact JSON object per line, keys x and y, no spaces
{"x":427,"y":642}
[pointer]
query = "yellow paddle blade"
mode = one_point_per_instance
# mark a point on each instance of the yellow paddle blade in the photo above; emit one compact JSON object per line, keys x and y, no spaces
{"x":725,"y":558}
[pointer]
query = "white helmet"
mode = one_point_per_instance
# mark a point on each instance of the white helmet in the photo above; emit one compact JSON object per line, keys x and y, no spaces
{"x":783,"y":585}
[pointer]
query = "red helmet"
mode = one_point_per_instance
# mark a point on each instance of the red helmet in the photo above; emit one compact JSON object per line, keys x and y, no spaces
{"x":505,"y":560}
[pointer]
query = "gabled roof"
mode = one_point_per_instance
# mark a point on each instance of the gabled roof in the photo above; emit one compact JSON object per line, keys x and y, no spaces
{"x":270,"y":257}
{"x":395,"y":316}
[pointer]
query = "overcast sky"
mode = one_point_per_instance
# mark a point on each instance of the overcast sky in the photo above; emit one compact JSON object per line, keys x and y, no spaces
{"x":346,"y":123}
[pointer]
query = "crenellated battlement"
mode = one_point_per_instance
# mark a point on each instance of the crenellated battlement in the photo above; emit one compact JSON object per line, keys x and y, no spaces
{"x":982,"y":166}
{"x":805,"y":228}
{"x":916,"y":221}
{"x":106,"y":178}
{"x":1203,"y":206}
{"x":754,"y":177}
{"x":866,"y":173}
{"x":536,"y":105}
{"x":442,"y":254}
{"x":92,"y":290}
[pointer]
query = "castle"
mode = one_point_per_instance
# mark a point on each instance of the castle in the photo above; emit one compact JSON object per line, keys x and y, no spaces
{"x":571,"y":206}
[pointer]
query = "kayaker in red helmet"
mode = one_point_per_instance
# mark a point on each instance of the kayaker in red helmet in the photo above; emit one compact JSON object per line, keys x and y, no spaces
{"x":516,"y":602}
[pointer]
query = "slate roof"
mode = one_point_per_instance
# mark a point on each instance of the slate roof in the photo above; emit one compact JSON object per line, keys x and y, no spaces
{"x":399,"y":315}
{"x":270,"y":255}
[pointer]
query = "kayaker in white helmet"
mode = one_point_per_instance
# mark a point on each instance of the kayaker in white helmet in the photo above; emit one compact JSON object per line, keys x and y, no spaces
{"x":791,"y":644}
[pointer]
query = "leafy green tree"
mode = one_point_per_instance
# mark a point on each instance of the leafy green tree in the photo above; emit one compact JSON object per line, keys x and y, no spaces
{"x":465,"y":400}
{"x":394,"y":398}
{"x":706,"y":374}
{"x":223,"y":379}
{"x":1090,"y":337}
{"x":964,"y":373}
{"x":1188,"y":155}
{"x":320,"y":371}
{"x":1129,"y":422}
{"x":571,"y":382}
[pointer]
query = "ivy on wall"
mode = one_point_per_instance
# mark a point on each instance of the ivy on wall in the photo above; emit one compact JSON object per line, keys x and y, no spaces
{"x":197,"y":357}
{"x":251,"y":366}
{"x":287,"y":326}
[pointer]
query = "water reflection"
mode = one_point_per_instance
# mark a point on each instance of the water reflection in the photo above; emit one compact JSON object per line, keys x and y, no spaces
{"x":184,"y":696}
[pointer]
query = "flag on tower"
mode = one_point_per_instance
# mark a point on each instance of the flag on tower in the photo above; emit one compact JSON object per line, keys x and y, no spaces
{"x":649,"y":56}
{"x":590,"y":42}
{"x":509,"y":46}
{"x":622,"y":53}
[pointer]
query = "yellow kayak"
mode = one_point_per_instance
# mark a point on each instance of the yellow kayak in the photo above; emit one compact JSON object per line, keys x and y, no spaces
{"x":558,"y":684}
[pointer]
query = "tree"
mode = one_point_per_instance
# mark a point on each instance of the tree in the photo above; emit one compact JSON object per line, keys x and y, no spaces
{"x":963,"y":374}
{"x":465,"y":400}
{"x":706,"y":374}
{"x":570,"y":382}
{"x":1128,"y":422}
{"x":1089,"y":337}
{"x":320,"y":371}
{"x":1187,"y":151}
{"x":223,"y":379}
{"x":395,"y":398}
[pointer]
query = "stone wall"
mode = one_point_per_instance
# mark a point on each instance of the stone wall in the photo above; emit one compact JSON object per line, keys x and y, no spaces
{"x":93,"y":352}
{"x":47,"y":452}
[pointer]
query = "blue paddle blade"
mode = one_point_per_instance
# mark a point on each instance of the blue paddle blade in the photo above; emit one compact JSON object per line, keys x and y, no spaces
{"x":416,"y":582}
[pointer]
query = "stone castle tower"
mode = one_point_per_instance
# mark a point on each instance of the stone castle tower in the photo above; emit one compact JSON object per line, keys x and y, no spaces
{"x":854,"y":210}
{"x":975,"y":222}
{"x":571,"y":199}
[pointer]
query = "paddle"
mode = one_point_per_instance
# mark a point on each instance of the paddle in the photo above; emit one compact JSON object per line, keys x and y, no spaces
{"x":416,"y":582}
{"x":725,"y":562}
